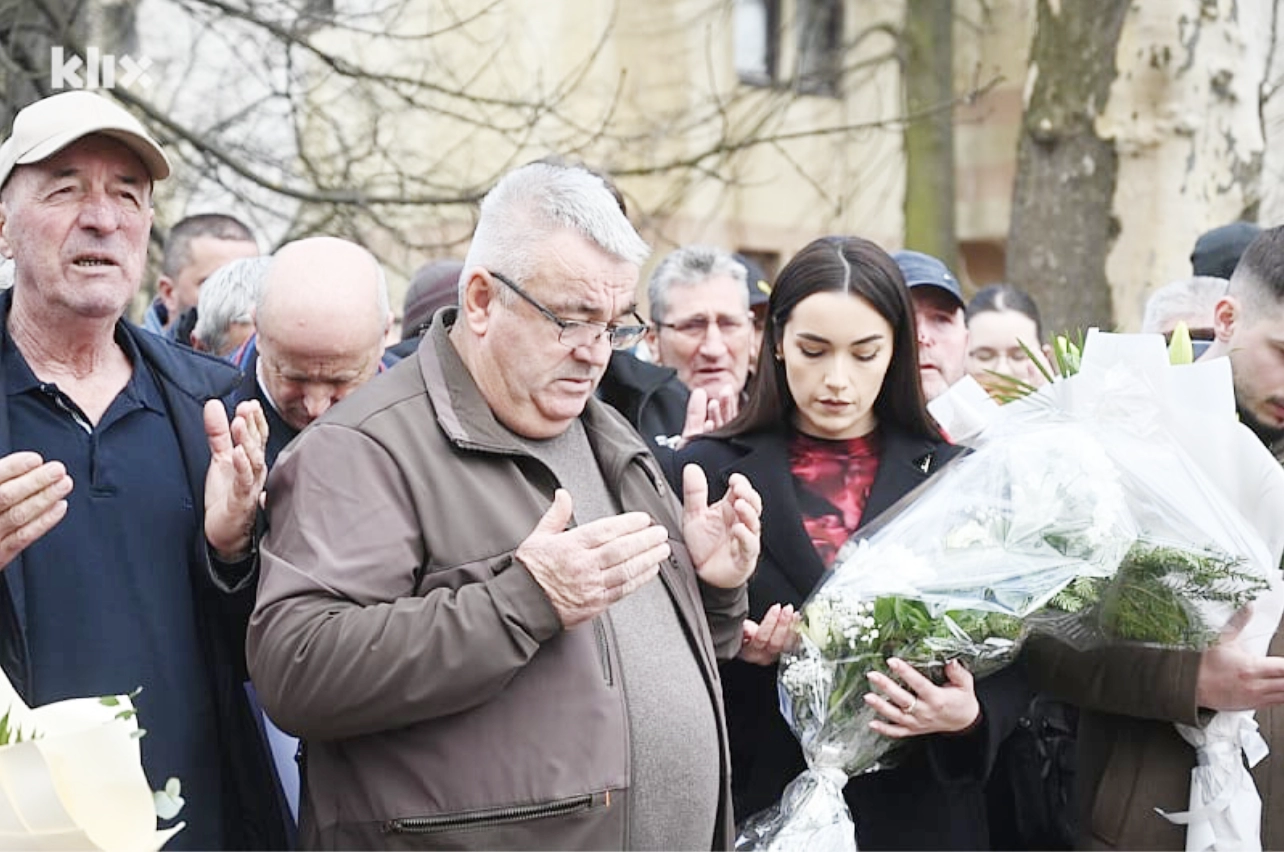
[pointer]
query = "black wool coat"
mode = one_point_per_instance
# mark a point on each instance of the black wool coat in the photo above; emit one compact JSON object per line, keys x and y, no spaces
{"x":936,"y":798}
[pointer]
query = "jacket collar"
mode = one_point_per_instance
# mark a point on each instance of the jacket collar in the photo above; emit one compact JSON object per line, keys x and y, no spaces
{"x":180,"y":374}
{"x":467,"y":420}
{"x":906,"y":461}
{"x":637,"y":376}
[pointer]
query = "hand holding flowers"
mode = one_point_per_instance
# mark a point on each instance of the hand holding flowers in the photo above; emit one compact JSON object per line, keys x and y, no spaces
{"x":1078,"y":513}
{"x":916,"y":706}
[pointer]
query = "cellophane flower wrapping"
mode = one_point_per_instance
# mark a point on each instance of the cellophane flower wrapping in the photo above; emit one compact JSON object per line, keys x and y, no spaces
{"x":1077,"y":512}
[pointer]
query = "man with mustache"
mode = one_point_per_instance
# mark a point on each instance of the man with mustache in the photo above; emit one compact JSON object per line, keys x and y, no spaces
{"x":127,"y":500}
{"x":481,"y":607}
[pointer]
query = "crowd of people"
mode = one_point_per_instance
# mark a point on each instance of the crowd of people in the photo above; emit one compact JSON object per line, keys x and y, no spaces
{"x":521,"y":578}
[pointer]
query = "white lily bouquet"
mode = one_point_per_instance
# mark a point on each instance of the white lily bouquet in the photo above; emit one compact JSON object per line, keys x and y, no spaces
{"x":71,"y":777}
{"x":1078,"y":513}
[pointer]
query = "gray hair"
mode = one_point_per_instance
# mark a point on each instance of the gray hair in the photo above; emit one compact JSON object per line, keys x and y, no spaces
{"x":1182,"y":300}
{"x":228,"y":297}
{"x":534,"y":201}
{"x":690,"y":265}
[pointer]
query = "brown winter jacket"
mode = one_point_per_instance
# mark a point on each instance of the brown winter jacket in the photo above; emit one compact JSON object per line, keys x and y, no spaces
{"x":1131,"y":758}
{"x":441,"y":702}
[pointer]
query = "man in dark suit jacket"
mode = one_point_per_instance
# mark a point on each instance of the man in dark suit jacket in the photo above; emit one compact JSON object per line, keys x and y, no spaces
{"x":319,"y":332}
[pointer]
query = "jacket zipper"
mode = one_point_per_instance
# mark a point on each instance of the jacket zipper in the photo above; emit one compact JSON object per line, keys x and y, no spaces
{"x":603,"y":650}
{"x":496,"y":816}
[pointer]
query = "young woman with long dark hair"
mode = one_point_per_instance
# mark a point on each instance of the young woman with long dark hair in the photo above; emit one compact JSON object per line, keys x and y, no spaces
{"x":834,"y":432}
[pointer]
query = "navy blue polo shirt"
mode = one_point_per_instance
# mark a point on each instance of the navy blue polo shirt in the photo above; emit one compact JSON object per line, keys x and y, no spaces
{"x":109,"y":598}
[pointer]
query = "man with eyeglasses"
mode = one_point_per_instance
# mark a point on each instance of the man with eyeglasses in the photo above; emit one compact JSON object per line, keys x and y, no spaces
{"x":481,"y":606}
{"x":701,"y":324}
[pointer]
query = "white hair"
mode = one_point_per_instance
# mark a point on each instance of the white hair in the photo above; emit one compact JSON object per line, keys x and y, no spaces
{"x":690,"y":265}
{"x":1185,"y":299}
{"x":228,"y":297}
{"x":532,"y":202}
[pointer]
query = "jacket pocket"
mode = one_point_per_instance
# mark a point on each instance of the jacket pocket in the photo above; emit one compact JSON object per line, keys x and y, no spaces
{"x":603,"y":649}
{"x":493,"y":817}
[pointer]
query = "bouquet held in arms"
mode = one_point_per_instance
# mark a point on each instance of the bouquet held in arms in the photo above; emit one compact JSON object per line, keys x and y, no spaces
{"x":1077,"y":512}
{"x":71,"y":777}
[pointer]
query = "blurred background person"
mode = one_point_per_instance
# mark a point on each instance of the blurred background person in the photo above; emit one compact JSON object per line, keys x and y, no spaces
{"x":700,"y":320}
{"x":434,"y":285}
{"x":195,"y":247}
{"x":225,"y":311}
{"x":1189,"y":300}
{"x":1217,"y":252}
{"x":938,"y":320}
{"x":759,"y":287}
{"x":1002,"y":324}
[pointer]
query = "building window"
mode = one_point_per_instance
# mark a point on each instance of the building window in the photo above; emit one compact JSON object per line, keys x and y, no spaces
{"x":757,"y":26}
{"x":819,"y":27}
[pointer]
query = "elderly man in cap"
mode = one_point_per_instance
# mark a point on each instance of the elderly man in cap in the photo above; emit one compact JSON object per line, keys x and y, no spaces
{"x":127,"y":499}
{"x":940,"y":320}
{"x":481,"y":606}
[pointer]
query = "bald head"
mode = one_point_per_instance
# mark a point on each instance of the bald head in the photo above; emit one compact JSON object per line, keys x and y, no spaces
{"x":325,"y":284}
{"x":322,"y":316}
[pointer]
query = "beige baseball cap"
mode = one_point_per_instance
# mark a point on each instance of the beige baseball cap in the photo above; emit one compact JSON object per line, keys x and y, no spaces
{"x":45,"y":127}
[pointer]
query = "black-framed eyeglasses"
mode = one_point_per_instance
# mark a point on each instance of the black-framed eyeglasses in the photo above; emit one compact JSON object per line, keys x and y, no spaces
{"x":577,"y":333}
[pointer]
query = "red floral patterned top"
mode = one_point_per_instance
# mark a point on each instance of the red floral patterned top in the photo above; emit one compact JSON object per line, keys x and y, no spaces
{"x":833,"y":479}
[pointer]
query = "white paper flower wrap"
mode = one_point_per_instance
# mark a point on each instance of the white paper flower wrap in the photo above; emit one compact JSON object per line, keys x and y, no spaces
{"x":79,"y":784}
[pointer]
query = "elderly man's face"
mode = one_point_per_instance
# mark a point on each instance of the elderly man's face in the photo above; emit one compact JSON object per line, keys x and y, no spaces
{"x":305,"y":372}
{"x":535,"y":385}
{"x":707,"y":335}
{"x":942,"y":339}
{"x":321,"y":324}
{"x":76,"y":226}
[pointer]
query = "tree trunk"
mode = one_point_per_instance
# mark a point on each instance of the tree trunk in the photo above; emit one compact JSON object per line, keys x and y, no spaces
{"x":1062,"y":225}
{"x":929,"y":136}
